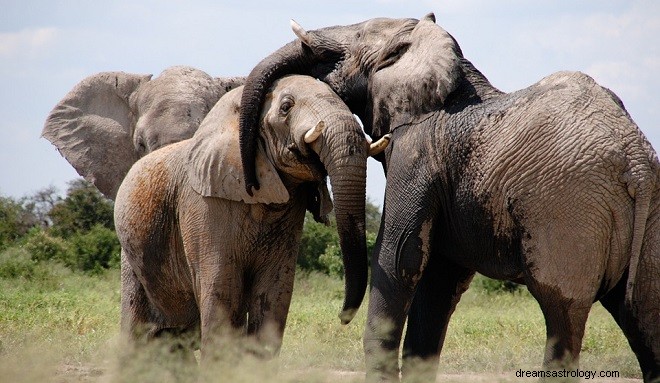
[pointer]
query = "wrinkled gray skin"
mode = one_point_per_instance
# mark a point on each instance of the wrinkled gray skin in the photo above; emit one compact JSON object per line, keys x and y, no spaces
{"x":553,"y":186}
{"x":111,"y":119}
{"x":199,"y":253}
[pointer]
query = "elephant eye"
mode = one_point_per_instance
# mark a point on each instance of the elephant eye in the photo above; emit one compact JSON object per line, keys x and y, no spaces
{"x":141,"y":147}
{"x":286,"y":105}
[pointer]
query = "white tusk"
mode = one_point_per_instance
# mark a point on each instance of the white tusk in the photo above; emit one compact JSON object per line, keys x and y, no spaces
{"x":380,"y":145}
{"x":314,"y":133}
{"x":298,"y":30}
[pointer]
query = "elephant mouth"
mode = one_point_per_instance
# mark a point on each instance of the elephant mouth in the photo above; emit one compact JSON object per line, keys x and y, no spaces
{"x":312,"y":164}
{"x":303,"y":166}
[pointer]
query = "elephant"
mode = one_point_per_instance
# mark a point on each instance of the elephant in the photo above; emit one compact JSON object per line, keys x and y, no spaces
{"x":203,"y":256}
{"x":111,"y":119}
{"x":553,"y":186}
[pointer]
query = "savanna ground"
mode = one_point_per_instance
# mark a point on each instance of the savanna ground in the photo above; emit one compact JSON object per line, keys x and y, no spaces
{"x":63,"y":326}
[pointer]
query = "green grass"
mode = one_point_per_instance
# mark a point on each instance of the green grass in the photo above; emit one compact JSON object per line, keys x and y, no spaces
{"x":506,"y":332}
{"x":63,"y":326}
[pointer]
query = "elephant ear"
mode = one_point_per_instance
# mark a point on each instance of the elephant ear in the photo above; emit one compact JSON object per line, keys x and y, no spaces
{"x":319,"y":202}
{"x":214,"y":162}
{"x":415,"y":73}
{"x":92,"y":128}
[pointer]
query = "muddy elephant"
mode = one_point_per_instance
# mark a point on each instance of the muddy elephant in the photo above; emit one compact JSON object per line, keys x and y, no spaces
{"x":202,"y":253}
{"x":111,"y":119}
{"x":553,"y":186}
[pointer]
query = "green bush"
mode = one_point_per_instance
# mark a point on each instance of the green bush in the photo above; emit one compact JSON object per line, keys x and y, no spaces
{"x":44,"y":247}
{"x":316,"y":238}
{"x":494,"y":286}
{"x":95,"y":250}
{"x":82,"y":209}
{"x":16,"y":263}
{"x":331,"y":263}
{"x":15,"y":221}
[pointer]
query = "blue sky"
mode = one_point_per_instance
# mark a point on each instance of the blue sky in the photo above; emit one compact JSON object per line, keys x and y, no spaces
{"x":47,"y":47}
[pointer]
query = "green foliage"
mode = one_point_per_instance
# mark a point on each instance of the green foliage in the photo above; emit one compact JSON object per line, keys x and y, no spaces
{"x":372,"y":217}
{"x":319,"y":248}
{"x":330,"y":262}
{"x":16,"y":263}
{"x":15,"y":221}
{"x":83,"y":208}
{"x":495,"y":286}
{"x":77,"y":231}
{"x":94,"y":250}
{"x":44,"y":247}
{"x":316,"y":238}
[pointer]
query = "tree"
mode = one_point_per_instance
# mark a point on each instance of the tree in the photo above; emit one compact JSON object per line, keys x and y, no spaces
{"x":82,"y":208}
{"x":41,"y":203}
{"x":373,"y":215}
{"x":12,"y":225}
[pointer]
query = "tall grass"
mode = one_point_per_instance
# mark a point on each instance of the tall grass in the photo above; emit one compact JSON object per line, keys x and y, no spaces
{"x":63,"y":326}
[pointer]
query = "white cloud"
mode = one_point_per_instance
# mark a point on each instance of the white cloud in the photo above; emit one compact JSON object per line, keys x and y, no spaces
{"x":30,"y":41}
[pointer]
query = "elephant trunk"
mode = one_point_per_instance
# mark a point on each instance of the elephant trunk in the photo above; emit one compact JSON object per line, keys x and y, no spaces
{"x":291,"y":58}
{"x":294,"y":57}
{"x":344,"y":155}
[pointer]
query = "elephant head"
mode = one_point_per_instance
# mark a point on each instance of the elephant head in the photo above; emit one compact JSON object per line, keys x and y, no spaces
{"x":357,"y":61}
{"x":111,"y":119}
{"x":305,"y":132}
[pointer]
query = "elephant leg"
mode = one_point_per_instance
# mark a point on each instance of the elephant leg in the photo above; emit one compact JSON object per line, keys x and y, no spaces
{"x":437,"y":295}
{"x":640,"y":326}
{"x":269,"y":307}
{"x":222,"y":309}
{"x":565,"y":311}
{"x":565,"y":323}
{"x":394,"y":280}
{"x":389,"y":301}
{"x":562,"y":269}
{"x":139,"y":319}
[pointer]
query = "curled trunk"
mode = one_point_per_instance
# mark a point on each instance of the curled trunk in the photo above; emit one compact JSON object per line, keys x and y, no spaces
{"x":291,"y":58}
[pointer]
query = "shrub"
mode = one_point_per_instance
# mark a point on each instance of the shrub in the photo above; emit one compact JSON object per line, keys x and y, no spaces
{"x":316,"y":238}
{"x":44,"y":247}
{"x":16,"y":263}
{"x":95,"y":250}
{"x":494,"y":286}
{"x":83,"y":208}
{"x":15,"y":221}
{"x":331,"y":263}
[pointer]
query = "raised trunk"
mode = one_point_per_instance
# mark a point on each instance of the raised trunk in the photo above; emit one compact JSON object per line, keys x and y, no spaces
{"x":291,"y":58}
{"x":344,"y":156}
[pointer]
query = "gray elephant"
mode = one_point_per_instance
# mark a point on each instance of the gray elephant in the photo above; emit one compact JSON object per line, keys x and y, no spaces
{"x":198,"y":250}
{"x":111,"y":119}
{"x":553,"y":186}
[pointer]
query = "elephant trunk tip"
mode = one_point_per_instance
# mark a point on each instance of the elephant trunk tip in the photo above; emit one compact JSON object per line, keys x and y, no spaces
{"x":347,"y":315}
{"x":250,"y":186}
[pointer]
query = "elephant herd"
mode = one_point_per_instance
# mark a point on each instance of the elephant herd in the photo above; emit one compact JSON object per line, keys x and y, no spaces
{"x":552,"y":186}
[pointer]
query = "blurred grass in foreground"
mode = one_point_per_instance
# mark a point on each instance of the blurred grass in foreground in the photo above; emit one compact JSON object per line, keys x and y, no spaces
{"x":63,"y":326}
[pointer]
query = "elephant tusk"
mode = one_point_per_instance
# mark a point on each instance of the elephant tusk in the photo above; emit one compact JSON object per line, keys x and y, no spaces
{"x":298,"y":30}
{"x":314,"y":133}
{"x":380,"y":145}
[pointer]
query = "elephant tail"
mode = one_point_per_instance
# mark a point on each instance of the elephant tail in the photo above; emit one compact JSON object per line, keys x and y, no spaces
{"x":643,"y":194}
